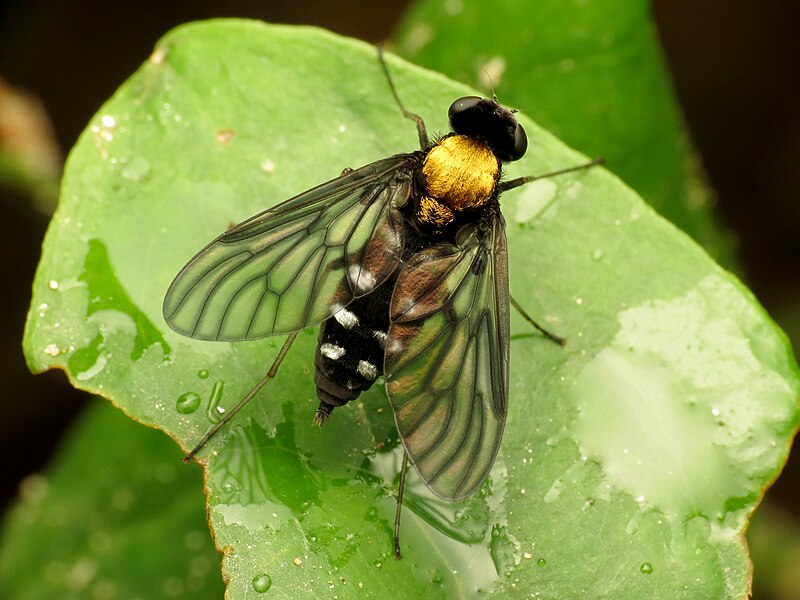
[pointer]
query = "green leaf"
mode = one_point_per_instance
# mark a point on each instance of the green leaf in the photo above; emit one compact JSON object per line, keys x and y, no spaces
{"x":636,"y":453}
{"x":592,"y":73}
{"x":114,"y":517}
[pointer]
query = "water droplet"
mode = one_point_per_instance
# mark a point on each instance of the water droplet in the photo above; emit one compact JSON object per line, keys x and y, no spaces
{"x":646,"y":568}
{"x":213,"y":412}
{"x":53,"y":285}
{"x":262,"y":582}
{"x":554,"y":492}
{"x":188,"y":403}
{"x":137,"y":169}
{"x":267,"y":166}
{"x":598,"y":254}
{"x":504,"y":550}
{"x":95,"y":369}
{"x":52,"y":350}
{"x":203,"y":373}
{"x":578,"y":301}
{"x":535,"y":199}
{"x":541,"y":562}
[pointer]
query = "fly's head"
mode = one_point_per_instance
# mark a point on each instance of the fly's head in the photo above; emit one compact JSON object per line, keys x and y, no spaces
{"x":488,"y":121}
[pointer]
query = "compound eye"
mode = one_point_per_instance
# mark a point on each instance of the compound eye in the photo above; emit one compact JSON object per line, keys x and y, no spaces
{"x":520,"y":143}
{"x":462,"y":105}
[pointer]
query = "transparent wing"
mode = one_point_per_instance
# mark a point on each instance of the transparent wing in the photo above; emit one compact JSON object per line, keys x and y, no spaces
{"x":296,"y":264}
{"x":446,"y":359}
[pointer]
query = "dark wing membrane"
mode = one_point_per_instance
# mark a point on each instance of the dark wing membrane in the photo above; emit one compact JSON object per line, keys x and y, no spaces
{"x":446,"y":359}
{"x":296,"y":264}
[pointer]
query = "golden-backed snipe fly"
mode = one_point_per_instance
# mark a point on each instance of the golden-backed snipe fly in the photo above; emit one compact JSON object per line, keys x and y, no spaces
{"x":404,"y":263}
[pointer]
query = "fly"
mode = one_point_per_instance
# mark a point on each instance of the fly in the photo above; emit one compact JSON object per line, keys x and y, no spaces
{"x":404,"y":264}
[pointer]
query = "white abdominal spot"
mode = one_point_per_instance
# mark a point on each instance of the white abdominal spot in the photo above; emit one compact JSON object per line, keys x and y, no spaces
{"x":381,"y":337}
{"x":346,"y":319}
{"x":367,"y":370}
{"x":331,"y":351}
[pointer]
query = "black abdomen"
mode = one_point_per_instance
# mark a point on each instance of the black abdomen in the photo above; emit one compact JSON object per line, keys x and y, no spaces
{"x":350,"y":350}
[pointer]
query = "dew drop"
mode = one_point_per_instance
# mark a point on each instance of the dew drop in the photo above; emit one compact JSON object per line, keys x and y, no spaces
{"x":646,"y":568}
{"x":188,"y":403}
{"x":541,"y":562}
{"x":53,"y":285}
{"x":262,"y":582}
{"x":203,"y":373}
{"x":598,"y":255}
{"x":137,"y":169}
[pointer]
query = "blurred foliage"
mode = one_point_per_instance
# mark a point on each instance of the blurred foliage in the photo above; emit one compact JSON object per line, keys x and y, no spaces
{"x":116,"y":516}
{"x":30,"y":161}
{"x":774,"y":538}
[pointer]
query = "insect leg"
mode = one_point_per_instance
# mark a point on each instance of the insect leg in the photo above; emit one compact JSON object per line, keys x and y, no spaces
{"x":424,"y":142}
{"x":270,"y":374}
{"x":513,"y":183}
{"x":551,"y":336}
{"x":401,"y":487}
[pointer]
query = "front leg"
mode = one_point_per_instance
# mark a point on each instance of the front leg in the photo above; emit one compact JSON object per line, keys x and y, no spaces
{"x":424,"y":141}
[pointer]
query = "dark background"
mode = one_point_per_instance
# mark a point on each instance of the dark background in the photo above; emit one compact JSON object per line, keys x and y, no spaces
{"x":735,"y":70}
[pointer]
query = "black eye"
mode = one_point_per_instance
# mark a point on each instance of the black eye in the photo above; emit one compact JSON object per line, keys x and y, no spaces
{"x":462,"y":104}
{"x":520,"y":143}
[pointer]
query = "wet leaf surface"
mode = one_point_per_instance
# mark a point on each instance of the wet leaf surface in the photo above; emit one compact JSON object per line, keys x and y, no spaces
{"x":631,"y":458}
